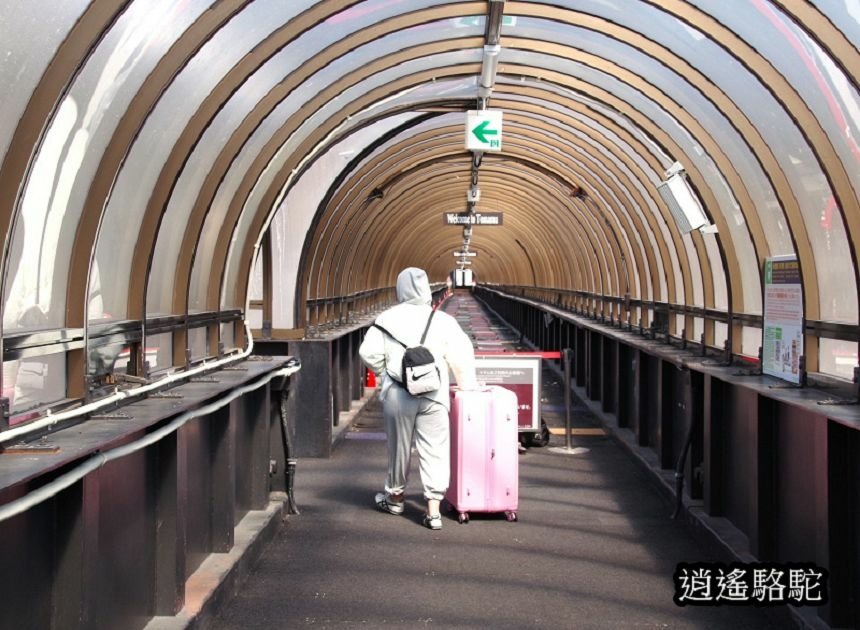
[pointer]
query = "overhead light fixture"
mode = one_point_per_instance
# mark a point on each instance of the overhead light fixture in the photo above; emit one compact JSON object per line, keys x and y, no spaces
{"x":682,"y":202}
{"x":489,"y":64}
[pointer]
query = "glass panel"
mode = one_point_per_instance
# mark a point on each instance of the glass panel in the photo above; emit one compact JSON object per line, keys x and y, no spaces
{"x":30,"y":33}
{"x":845,"y":14}
{"x":457,"y":89}
{"x":810,"y":188}
{"x":70,"y":153}
{"x":164,"y":127}
{"x":342,"y":67}
{"x":274,"y":71}
{"x":698,"y":296}
{"x":228,"y":335}
{"x":721,"y":293}
{"x":692,"y":46}
{"x":694,"y":153}
{"x":34,"y":382}
{"x":159,"y":352}
{"x":107,"y":359}
{"x":198,"y":343}
{"x":811,"y":71}
{"x":306,"y":193}
{"x":627,"y":206}
{"x":123,"y":361}
{"x":255,"y":318}
{"x":32,"y":299}
{"x":835,"y":102}
{"x":721,"y":334}
{"x":294,"y":215}
{"x":255,"y":289}
{"x":837,"y":357}
{"x":124,"y":211}
{"x":751,"y":341}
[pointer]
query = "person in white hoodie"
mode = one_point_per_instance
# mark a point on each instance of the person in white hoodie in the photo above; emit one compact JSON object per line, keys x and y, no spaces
{"x":422,"y":418}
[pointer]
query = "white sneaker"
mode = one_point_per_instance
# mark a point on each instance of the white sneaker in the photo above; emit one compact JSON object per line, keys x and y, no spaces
{"x":386,"y":503}
{"x":433,"y":522}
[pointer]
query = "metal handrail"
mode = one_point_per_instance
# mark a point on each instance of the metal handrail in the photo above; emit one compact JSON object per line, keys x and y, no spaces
{"x":325,"y":313}
{"x":54,"y":487}
{"x":51,"y":419}
{"x":548,"y":295}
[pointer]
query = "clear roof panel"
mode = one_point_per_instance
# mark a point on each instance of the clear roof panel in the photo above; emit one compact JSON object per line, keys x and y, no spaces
{"x":109,"y":275}
{"x":294,"y":215}
{"x":385,"y":125}
{"x":823,"y":86}
{"x":643,"y":105}
{"x":309,"y":89}
{"x":313,"y":42}
{"x":595,"y":205}
{"x":721,"y":292}
{"x":188,"y":91}
{"x":810,"y":187}
{"x":677,"y":89}
{"x":72,"y":142}
{"x":844,"y":13}
{"x":30,"y":33}
{"x":628,"y":205}
{"x":70,"y":153}
{"x":698,"y":296}
{"x":836,"y":105}
{"x":461,"y":88}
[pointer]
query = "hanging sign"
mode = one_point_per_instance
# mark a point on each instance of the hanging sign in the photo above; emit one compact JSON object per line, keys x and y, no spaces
{"x":484,"y":130}
{"x":472,"y":218}
{"x":782,"y":345}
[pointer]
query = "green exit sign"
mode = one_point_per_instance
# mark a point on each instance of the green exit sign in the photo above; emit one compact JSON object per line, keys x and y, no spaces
{"x":484,"y":130}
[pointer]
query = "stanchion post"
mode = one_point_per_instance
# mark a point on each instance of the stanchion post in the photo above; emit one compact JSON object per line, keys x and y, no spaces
{"x":568,"y":356}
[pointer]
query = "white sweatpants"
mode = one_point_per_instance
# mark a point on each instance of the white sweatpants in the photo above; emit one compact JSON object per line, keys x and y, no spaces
{"x":409,"y":418}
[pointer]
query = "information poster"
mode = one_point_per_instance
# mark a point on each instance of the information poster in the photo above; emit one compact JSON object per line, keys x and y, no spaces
{"x":783,"y":318}
{"x":520,"y":374}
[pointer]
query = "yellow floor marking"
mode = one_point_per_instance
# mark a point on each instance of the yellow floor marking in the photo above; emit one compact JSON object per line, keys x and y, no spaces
{"x":574,"y":431}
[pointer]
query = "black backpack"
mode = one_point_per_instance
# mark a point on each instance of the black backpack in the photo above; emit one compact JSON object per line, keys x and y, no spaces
{"x":418,"y":373}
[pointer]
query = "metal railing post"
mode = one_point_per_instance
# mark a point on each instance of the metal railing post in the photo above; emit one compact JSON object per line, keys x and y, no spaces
{"x":567,"y":354}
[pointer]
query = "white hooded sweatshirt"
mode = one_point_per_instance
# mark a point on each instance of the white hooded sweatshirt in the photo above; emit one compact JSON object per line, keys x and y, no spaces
{"x":451,"y":347}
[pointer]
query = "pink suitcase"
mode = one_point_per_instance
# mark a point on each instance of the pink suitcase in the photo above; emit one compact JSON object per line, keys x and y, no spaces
{"x":484,"y":453}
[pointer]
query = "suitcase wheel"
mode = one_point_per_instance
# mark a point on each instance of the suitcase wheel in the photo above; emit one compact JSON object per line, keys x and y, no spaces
{"x":463,"y":518}
{"x":511,"y":516}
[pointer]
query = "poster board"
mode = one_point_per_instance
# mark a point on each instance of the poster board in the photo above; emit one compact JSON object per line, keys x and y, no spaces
{"x":782,"y":331}
{"x":521,"y":373}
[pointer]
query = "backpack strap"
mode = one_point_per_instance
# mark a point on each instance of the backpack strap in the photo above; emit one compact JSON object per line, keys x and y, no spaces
{"x":423,"y":336}
{"x":375,"y":325}
{"x":427,"y":327}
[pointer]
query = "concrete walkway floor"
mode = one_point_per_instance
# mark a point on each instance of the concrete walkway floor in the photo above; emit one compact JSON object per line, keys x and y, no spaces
{"x":594,"y":547}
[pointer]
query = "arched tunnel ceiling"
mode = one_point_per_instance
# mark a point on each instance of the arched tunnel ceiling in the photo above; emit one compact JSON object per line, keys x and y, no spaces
{"x":190,"y":141}
{"x":408,"y":218}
